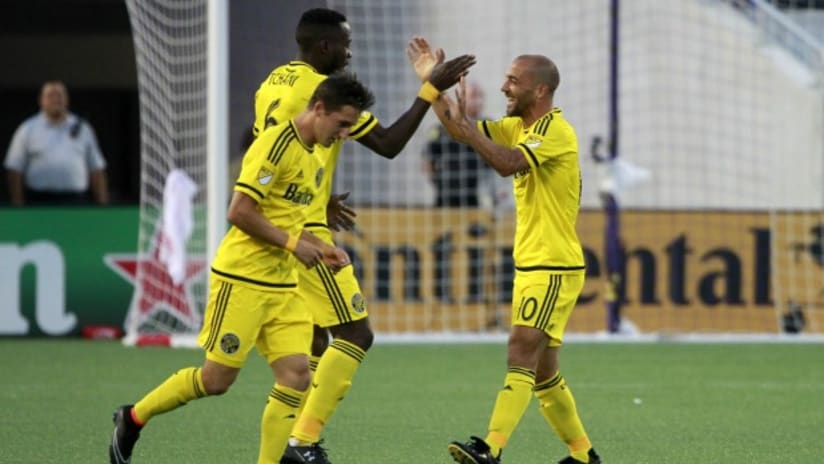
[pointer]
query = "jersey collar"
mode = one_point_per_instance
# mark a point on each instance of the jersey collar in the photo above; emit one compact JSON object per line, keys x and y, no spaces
{"x":554,"y":110}
{"x":297,"y":136}
{"x":303,"y":63}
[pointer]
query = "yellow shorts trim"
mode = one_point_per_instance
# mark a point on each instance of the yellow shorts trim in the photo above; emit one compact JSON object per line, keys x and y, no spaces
{"x":545,"y":300}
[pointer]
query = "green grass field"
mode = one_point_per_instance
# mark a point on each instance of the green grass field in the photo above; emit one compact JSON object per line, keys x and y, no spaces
{"x":698,"y":404}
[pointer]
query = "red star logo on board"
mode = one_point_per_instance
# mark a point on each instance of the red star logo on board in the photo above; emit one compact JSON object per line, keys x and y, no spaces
{"x":154,"y":288}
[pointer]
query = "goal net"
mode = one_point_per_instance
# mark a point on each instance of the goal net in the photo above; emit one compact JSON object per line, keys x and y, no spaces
{"x":170,"y":38}
{"x":716,"y":121}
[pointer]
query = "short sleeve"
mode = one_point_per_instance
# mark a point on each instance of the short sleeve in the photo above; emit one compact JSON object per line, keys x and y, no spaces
{"x":16,"y":154}
{"x":258,"y":174}
{"x":94,"y":157}
{"x":546,"y":143}
{"x":366,"y":122}
{"x":498,"y":131}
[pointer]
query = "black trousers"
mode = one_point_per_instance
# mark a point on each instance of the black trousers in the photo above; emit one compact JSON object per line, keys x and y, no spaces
{"x":43,"y":198}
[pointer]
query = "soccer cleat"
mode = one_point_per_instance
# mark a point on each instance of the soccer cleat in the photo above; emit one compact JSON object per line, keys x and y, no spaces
{"x":313,"y":453}
{"x":593,"y":458}
{"x":124,"y":436}
{"x":475,"y":451}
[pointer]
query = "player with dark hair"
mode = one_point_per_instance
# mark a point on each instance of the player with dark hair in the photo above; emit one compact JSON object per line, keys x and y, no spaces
{"x":537,"y":146}
{"x":335,"y":300}
{"x":253,"y":300}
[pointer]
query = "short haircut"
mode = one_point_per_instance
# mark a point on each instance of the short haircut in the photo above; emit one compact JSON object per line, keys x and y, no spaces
{"x":342,"y":89}
{"x":317,"y":24}
{"x":543,"y":70}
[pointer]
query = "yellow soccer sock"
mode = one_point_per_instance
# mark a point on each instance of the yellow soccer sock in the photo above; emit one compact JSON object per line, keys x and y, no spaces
{"x":183,"y":386}
{"x":558,"y":408}
{"x":509,"y":407}
{"x":279,"y":417}
{"x":313,"y":366}
{"x":330,"y":383}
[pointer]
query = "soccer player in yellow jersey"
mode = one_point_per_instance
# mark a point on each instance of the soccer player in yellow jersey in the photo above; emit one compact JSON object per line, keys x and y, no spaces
{"x":538,"y":147}
{"x":335,"y":300}
{"x":252,"y":300}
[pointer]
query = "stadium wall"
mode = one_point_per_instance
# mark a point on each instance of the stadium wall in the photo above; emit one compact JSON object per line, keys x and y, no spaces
{"x":59,"y":274}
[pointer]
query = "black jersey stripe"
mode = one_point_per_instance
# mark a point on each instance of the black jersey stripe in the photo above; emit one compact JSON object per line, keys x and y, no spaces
{"x":543,"y":126}
{"x":280,"y":144}
{"x":283,"y":150}
{"x":278,"y":141}
{"x":549,"y":268}
{"x":253,"y":281}
{"x":486,"y":130}
{"x":529,"y":152}
{"x":249,"y":187}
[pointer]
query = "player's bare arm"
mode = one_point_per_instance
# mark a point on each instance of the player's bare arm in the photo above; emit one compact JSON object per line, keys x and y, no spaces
{"x":389,"y":141}
{"x":452,"y":114}
{"x":244,"y":214}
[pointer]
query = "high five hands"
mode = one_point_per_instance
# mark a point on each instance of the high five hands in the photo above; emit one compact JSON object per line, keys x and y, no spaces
{"x":429,"y":62}
{"x":430,"y":66}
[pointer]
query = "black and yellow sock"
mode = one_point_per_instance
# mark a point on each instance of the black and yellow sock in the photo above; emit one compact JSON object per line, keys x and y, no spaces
{"x":313,"y":363}
{"x":509,"y":407}
{"x":183,"y":386}
{"x":331,"y":381}
{"x":313,"y":366}
{"x":558,"y":408}
{"x":279,"y":417}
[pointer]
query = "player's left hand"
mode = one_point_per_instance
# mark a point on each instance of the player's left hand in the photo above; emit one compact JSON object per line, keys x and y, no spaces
{"x":336,"y":258}
{"x":423,"y":57}
{"x":340,"y":216}
{"x":447,"y":74}
{"x":456,"y":123}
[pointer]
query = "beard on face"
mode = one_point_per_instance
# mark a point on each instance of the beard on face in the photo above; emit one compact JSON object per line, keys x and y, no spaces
{"x":519,"y":105}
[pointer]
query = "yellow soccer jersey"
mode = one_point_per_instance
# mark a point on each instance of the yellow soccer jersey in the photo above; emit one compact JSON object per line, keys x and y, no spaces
{"x":283,"y":95}
{"x":282,"y":175}
{"x":548,"y":195}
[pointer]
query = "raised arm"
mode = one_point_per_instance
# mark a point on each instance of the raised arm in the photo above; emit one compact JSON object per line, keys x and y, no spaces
{"x":389,"y":141}
{"x":506,"y":161}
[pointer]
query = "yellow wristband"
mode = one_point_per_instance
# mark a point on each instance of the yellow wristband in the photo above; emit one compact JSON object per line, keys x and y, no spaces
{"x":292,"y":243}
{"x":428,"y":92}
